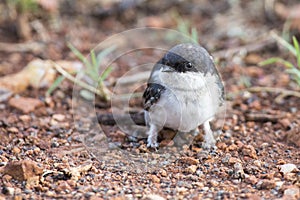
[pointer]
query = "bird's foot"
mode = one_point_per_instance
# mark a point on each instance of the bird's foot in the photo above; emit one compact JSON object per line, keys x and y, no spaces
{"x":152,"y":142}
{"x":209,"y":139}
{"x":209,"y":145}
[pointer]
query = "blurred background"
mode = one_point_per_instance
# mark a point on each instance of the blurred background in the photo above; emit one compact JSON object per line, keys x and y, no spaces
{"x":48,"y":24}
{"x":236,"y":32}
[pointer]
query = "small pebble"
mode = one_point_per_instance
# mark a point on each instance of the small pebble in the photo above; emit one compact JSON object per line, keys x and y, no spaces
{"x":163,"y":173}
{"x":155,"y":179}
{"x":189,"y":160}
{"x":191,"y":169}
{"x":266,"y":184}
{"x":292,"y":192}
{"x":251,"y":179}
{"x":287,"y":168}
{"x":153,"y":197}
{"x":59,"y":117}
{"x":8,"y":191}
{"x":16,"y":150}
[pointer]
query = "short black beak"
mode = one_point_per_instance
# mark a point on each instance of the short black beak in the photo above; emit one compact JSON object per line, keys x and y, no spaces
{"x":167,"y":68}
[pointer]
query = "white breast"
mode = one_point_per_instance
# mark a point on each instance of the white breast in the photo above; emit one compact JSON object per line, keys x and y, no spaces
{"x":189,"y":100}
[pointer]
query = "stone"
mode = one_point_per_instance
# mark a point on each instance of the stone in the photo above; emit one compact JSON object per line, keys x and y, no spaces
{"x":214,"y":183}
{"x":254,"y":197}
{"x":285,"y":122}
{"x":16,"y":150}
{"x":191,"y":169}
{"x":76,"y":172}
{"x":153,"y":197}
{"x":38,"y":74}
{"x":292,"y":192}
{"x":25,"y":104}
{"x":257,"y":163}
{"x":238,"y":171}
{"x":25,"y":118}
{"x":251,"y":179}
{"x":249,"y":150}
{"x":22,"y":170}
{"x":288,"y":168}
{"x":63,"y":186}
{"x":155,"y":179}
{"x":232,"y":147}
{"x":233,"y":160}
{"x":13,"y":130}
{"x":189,"y":160}
{"x":59,"y":117}
{"x":266,"y":184}
{"x":5,"y":94}
{"x":8,"y":191}
{"x":163,"y":173}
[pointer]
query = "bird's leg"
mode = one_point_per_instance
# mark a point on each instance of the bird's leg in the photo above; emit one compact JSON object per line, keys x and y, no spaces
{"x":152,"y":136}
{"x":194,"y":132}
{"x":209,"y":140}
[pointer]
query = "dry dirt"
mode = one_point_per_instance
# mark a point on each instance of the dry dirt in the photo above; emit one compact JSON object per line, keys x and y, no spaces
{"x":43,"y":156}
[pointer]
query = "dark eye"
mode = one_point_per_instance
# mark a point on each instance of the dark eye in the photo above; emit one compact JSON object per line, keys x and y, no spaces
{"x":189,"y":65}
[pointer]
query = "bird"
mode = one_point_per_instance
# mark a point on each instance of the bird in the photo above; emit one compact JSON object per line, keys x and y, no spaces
{"x":184,"y":91}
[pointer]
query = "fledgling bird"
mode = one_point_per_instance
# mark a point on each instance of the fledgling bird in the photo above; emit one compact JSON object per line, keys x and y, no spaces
{"x":184,"y":91}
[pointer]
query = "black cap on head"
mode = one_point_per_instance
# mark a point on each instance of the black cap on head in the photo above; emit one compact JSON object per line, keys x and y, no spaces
{"x":178,"y":63}
{"x":189,"y":57}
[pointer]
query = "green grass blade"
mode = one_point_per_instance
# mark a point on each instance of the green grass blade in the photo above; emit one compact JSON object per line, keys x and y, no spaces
{"x":195,"y":35}
{"x":183,"y":27}
{"x":295,"y":73}
{"x":93,"y":71}
{"x":286,"y":30}
{"x":273,"y":60}
{"x":288,"y":46}
{"x":284,"y":43}
{"x":269,"y":61}
{"x":77,"y":53}
{"x":296,"y":45}
{"x":94,"y":76}
{"x":91,"y":67}
{"x":245,"y":81}
{"x":104,"y":53}
{"x":54,"y":85}
{"x":99,"y":59}
{"x":106,"y":73}
{"x":94,"y":61}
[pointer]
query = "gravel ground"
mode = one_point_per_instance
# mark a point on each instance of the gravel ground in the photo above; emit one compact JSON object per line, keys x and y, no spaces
{"x":44,"y":155}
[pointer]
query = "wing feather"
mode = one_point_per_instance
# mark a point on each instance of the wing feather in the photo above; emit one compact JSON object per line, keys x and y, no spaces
{"x":152,"y":94}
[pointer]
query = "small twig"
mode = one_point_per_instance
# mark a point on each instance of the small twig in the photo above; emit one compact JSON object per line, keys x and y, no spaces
{"x":252,"y":47}
{"x":274,"y":90}
{"x":278,"y":99}
{"x":40,"y":29}
{"x":110,"y":119}
{"x":282,"y":42}
{"x":263,"y":117}
{"x":141,"y":76}
{"x":35,"y":47}
{"x":283,"y":92}
{"x":104,"y":92}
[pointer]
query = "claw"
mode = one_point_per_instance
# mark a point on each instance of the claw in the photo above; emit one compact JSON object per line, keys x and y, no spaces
{"x":209,"y":140}
{"x":209,"y":146}
{"x":152,"y":137}
{"x":151,"y":143}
